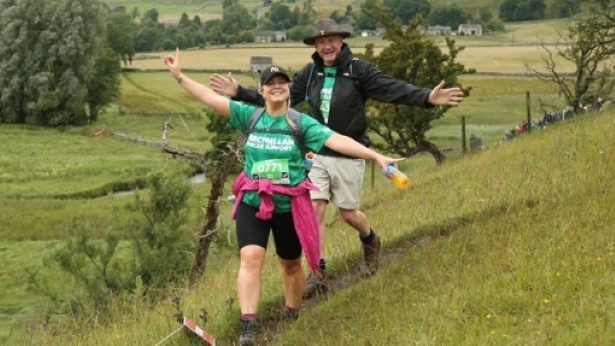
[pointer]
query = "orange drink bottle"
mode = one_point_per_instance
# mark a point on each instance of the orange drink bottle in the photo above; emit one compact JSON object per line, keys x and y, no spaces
{"x":397,"y":177}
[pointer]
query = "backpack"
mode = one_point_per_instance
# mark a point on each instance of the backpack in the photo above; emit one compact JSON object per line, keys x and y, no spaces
{"x":293,"y":115}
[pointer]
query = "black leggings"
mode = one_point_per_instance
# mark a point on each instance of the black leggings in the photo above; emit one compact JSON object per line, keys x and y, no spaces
{"x":254,"y":231}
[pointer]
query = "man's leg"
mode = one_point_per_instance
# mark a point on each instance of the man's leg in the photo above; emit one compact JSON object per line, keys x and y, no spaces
{"x":369,"y":240}
{"x":319,"y":176}
{"x":347,"y":183}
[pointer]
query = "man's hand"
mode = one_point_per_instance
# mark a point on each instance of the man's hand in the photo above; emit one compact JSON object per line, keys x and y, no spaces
{"x":224,"y":85}
{"x":445,"y":97}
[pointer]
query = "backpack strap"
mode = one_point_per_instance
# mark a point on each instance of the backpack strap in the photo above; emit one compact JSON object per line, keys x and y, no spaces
{"x":293,"y":115}
{"x":309,"y":81}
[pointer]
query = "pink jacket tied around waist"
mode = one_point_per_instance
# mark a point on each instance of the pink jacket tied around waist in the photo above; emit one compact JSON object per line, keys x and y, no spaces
{"x":304,"y":216}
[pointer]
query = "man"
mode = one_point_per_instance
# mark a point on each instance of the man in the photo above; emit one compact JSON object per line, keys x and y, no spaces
{"x":336,"y":86}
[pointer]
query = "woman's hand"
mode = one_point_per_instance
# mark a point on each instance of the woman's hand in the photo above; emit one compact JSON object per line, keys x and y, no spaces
{"x":173,"y":62}
{"x":385,"y":161}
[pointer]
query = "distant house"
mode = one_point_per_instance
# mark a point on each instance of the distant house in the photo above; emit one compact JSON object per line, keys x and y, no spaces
{"x":258,"y":63}
{"x":439,"y":30}
{"x":270,"y":36}
{"x":378,"y":32}
{"x":470,"y":30}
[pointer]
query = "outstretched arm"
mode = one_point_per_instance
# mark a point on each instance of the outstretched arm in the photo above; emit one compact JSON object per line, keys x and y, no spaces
{"x":350,"y":147}
{"x":195,"y":89}
{"x":380,"y":87}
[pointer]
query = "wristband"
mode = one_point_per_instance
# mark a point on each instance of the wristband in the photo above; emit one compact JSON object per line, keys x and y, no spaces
{"x":181,"y":77}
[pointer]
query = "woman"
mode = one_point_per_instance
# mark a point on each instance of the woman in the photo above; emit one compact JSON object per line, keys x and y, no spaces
{"x":272,"y":191}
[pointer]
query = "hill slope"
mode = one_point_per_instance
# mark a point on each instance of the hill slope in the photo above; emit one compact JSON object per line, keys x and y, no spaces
{"x":512,"y":245}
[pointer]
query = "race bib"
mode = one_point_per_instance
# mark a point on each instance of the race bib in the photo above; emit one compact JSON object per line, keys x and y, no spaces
{"x":275,"y":170}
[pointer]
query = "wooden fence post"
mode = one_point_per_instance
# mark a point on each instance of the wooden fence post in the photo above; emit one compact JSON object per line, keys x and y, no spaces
{"x":373,"y":183}
{"x":464,"y":146}
{"x":529,"y":115}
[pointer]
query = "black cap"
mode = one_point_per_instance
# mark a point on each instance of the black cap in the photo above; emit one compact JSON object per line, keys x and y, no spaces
{"x":271,"y":71}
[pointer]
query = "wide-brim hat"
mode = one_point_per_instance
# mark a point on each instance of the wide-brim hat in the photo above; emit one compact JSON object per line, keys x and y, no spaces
{"x":325,"y":27}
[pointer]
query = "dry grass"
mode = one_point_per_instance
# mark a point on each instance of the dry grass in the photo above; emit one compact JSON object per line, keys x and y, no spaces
{"x":483,"y":59}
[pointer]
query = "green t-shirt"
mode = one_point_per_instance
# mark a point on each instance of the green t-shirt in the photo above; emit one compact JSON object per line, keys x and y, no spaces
{"x":327,"y":91}
{"x":275,"y":155}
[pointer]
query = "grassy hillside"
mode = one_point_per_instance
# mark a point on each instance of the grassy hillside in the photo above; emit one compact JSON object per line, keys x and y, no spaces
{"x":510,"y":246}
{"x":461,"y":255}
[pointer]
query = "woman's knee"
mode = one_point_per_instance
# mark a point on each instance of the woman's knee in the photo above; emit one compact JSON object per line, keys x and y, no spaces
{"x":291,"y":267}
{"x":252,"y":257}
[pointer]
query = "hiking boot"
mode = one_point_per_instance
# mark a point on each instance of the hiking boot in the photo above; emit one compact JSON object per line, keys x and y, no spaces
{"x":315,"y":284}
{"x":248,"y":332}
{"x":371,"y":255}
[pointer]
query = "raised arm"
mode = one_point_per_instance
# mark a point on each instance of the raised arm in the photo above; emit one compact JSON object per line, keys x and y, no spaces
{"x":381,"y":87}
{"x":348,"y":146}
{"x":195,"y":89}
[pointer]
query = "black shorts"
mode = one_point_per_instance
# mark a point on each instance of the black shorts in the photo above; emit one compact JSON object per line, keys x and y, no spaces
{"x":254,"y":231}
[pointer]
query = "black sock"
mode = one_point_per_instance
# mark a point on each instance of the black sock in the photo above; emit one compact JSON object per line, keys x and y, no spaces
{"x":322,"y":265}
{"x":369,"y":239}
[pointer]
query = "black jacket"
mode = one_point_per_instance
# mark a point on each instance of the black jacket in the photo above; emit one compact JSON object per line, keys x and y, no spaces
{"x":356,"y":81}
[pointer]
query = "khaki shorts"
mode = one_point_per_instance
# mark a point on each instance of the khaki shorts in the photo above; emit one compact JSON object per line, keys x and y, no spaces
{"x":339,"y":179}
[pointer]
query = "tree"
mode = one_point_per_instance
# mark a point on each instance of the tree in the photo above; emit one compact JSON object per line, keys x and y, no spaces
{"x":565,"y":8}
{"x":184,"y":21}
{"x":151,"y":15}
{"x":149,"y":36}
{"x":416,"y":58}
{"x":451,"y":15}
{"x":514,"y":10}
{"x":485,"y":15}
{"x":160,"y":245}
{"x":300,"y":32}
{"x":335,"y":15}
{"x":406,"y":10}
{"x":229,"y":3}
{"x":589,"y":45}
{"x":507,"y":9}
{"x":105,"y":86}
{"x":237,"y":18}
{"x":495,"y":24}
{"x":196,"y":21}
{"x":348,"y":12}
{"x":121,"y":33}
{"x":282,"y":17}
{"x":213,"y":31}
{"x":364,"y":21}
{"x":47,"y":66}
